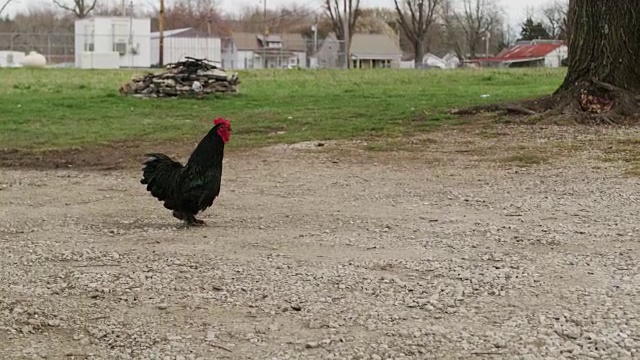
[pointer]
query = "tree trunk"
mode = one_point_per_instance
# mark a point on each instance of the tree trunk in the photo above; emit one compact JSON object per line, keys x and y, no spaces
{"x":604,"y":58}
{"x":602,"y":85}
{"x":418,"y":51}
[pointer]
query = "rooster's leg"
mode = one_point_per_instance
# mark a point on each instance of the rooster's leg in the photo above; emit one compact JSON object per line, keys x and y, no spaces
{"x":192,"y":221}
{"x":178,"y":215}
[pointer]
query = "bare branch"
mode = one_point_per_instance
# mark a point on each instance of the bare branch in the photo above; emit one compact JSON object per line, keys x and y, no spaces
{"x":4,"y":5}
{"x":478,"y":17}
{"x":416,"y":18}
{"x":332,"y":8}
{"x":80,"y":8}
{"x":555,"y":14}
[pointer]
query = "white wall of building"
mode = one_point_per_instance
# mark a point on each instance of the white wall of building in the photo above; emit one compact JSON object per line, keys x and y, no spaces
{"x":128,"y":38}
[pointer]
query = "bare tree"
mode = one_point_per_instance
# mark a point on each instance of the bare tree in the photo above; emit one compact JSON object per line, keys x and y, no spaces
{"x":454,"y":36}
{"x":292,"y":18}
{"x":202,"y":15}
{"x":555,"y":13}
{"x":80,"y":8}
{"x":336,"y":16}
{"x":4,"y":5}
{"x":477,"y":19}
{"x":416,"y":17}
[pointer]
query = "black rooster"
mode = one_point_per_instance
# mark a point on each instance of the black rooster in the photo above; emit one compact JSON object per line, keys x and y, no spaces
{"x":191,"y":188}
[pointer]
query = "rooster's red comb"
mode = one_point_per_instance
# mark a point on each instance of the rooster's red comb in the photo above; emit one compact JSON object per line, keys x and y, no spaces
{"x":221,"y":120}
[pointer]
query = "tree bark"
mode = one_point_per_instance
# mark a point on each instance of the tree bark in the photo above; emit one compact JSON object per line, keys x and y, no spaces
{"x":418,"y":50}
{"x":602,"y":85}
{"x":604,"y":58}
{"x":605,"y":43}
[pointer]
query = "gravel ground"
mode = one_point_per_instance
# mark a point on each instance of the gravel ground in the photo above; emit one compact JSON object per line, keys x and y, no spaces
{"x":449,"y":249}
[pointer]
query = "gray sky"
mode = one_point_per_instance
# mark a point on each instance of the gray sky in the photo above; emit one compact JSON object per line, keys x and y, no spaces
{"x":514,"y":9}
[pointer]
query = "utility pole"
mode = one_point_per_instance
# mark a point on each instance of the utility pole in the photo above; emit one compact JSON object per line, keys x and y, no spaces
{"x":130,"y":33}
{"x":346,"y":16}
{"x":315,"y":36}
{"x":161,"y":30}
{"x":264,"y":35}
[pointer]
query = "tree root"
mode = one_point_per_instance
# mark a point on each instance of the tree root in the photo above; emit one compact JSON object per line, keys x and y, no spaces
{"x":508,"y":108}
{"x":592,"y":102}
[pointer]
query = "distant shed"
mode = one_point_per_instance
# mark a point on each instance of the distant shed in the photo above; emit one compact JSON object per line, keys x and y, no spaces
{"x":10,"y":58}
{"x":183,"y":42}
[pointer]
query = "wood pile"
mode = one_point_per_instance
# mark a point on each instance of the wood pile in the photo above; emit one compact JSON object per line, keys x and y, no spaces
{"x":189,"y":78}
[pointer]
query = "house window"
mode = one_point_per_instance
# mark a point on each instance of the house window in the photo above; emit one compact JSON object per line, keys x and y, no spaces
{"x":273,"y":44}
{"x":120,"y":36}
{"x":89,"y":35}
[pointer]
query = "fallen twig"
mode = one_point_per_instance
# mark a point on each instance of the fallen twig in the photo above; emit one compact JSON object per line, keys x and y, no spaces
{"x":94,"y":265}
{"x":487,"y":353}
{"x":221,"y":347}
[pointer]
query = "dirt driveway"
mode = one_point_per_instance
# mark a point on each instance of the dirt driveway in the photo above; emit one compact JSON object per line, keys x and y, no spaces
{"x":513,"y":241}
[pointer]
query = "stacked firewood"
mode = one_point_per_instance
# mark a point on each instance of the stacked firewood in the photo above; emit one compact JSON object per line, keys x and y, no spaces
{"x":189,"y":78}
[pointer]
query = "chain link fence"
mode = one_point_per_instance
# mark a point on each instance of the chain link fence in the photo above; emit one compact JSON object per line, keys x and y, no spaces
{"x":60,"y":49}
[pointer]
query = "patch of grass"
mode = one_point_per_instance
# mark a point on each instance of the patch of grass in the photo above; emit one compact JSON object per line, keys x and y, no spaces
{"x":629,"y":141}
{"x":570,"y":147}
{"x":491,"y":134}
{"x":525,"y":159}
{"x":634,"y":170}
{"x":63,"y":108}
{"x":400,"y":144}
{"x":627,"y":153}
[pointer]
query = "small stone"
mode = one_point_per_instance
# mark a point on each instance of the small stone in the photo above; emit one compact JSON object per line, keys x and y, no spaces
{"x":500,"y":344}
{"x":163,"y":306}
{"x":312,"y":345}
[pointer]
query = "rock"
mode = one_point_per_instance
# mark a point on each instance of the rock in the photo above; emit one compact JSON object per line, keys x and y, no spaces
{"x":500,"y":344}
{"x":180,"y":80}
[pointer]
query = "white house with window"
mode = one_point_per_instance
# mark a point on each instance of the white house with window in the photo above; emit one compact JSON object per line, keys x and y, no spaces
{"x":111,"y":42}
{"x":247,"y":51}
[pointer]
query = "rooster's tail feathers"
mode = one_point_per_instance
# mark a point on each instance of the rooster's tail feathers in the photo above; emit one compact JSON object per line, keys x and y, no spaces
{"x":160,"y":173}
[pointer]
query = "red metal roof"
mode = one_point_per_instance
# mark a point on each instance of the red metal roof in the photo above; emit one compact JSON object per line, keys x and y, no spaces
{"x":523,"y":52}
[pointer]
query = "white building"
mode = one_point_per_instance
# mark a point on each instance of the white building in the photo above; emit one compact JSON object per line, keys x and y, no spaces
{"x":451,"y":60}
{"x":534,"y":53}
{"x":185,"y":42}
{"x":11,"y":58}
{"x":246,"y":50}
{"x":111,"y":42}
{"x":431,"y":61}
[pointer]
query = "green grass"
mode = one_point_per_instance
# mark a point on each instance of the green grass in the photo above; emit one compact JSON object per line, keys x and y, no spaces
{"x":62,"y":108}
